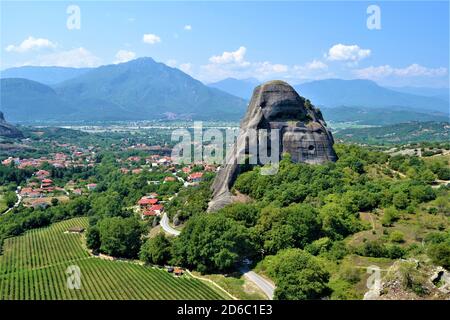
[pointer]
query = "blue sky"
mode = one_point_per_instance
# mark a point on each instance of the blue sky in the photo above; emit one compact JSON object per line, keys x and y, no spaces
{"x":296,"y":41}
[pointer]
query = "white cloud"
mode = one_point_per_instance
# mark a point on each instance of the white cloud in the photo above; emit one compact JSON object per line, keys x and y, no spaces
{"x":413,"y":70}
{"x":342,"y":52}
{"x":316,"y":65}
{"x":186,"y":67}
{"x":188,"y":27}
{"x":236,"y":57}
{"x":233,"y":64}
{"x":314,"y":69}
{"x":267,"y":68}
{"x":172,"y":63}
{"x":31,"y":43}
{"x":124,"y":56}
{"x":151,"y":38}
{"x":76,"y":58}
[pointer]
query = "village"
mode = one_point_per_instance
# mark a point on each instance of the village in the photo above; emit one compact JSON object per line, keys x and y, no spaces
{"x":42,"y":190}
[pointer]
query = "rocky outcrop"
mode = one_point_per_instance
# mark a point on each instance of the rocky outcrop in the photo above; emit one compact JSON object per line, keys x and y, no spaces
{"x":7,"y":130}
{"x":302,"y":133}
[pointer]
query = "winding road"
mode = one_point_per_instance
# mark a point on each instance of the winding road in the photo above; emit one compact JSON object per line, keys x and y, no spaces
{"x":267,"y":287}
{"x":166,"y":226}
{"x":19,"y":200}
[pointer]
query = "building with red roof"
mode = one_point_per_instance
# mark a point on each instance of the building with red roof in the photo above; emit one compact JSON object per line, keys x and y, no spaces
{"x":195,"y":177}
{"x":145,"y":202}
{"x":157,"y":208}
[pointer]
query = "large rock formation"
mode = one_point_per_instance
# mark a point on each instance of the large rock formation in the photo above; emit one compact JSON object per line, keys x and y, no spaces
{"x":302,"y":133}
{"x":7,"y":130}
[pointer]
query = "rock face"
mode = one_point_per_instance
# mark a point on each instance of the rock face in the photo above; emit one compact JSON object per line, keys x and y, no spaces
{"x":302,"y":133}
{"x":7,"y":130}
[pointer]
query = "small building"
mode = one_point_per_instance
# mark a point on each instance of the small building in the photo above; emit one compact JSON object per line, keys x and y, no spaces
{"x":169,"y":179}
{"x":146,"y":202}
{"x":195,"y":177}
{"x":76,"y":230}
{"x":148,"y":213}
{"x":178,"y":271}
{"x":46,"y":183}
{"x":42,"y":174}
{"x":91,"y":186}
{"x":157,"y":208}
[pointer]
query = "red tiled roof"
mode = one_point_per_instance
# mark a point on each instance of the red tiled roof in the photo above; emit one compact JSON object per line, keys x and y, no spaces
{"x":145,"y":201}
{"x":196,"y":175}
{"x":156,"y":207}
{"x":149,"y":213}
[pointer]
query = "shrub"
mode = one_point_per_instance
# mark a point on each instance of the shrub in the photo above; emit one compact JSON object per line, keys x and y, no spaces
{"x":397,"y":236}
{"x":390,"y":215}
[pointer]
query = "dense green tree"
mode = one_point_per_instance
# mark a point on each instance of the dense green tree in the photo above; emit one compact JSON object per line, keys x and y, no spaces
{"x":246,"y":213}
{"x":93,"y":241}
{"x":120,"y":237}
{"x":211,"y":242}
{"x":298,"y":275}
{"x":156,"y":250}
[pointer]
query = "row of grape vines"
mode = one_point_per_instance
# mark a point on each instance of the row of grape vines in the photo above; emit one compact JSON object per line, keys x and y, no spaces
{"x":35,"y":267}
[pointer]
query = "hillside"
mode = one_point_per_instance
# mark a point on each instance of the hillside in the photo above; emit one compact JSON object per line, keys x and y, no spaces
{"x":27,"y":100}
{"x":150,"y":89}
{"x":399,"y":133}
{"x":380,"y":116}
{"x":45,"y":75}
{"x":7,"y":130}
{"x":141,"y":89}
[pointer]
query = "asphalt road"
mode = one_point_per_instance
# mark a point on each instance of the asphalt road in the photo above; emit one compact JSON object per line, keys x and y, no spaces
{"x":19,"y":200}
{"x":267,"y":287}
{"x":166,"y":226}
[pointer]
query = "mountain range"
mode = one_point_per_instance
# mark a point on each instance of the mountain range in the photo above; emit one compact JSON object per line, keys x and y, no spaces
{"x":366,"y":94}
{"x":143,"y":89}
{"x":45,"y":75}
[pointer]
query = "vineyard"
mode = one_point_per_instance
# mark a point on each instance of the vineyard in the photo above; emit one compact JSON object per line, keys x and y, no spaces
{"x":33,"y":266}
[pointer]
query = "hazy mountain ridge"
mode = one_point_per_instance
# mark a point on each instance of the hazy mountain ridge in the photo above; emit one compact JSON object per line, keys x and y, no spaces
{"x":141,"y":89}
{"x":332,"y":93}
{"x":365,"y":93}
{"x":44,"y":75}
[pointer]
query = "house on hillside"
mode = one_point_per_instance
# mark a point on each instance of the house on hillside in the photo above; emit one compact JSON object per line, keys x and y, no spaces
{"x":42,"y":174}
{"x":145,"y":202}
{"x":91,"y":186}
{"x":169,"y":179}
{"x":157,"y":208}
{"x":46,"y":184}
{"x":195,"y":177}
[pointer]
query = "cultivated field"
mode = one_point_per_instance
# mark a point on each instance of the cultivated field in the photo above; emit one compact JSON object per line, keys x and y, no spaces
{"x":33,"y":266}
